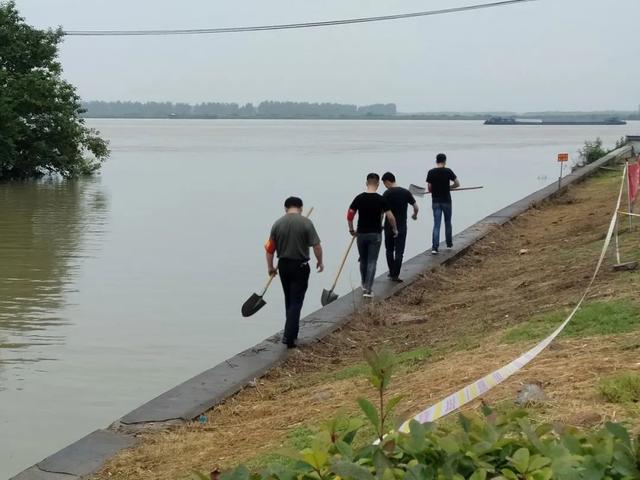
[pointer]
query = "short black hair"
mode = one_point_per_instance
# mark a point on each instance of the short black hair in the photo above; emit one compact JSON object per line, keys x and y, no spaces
{"x":373,"y":176}
{"x":441,"y":158}
{"x":389,"y":177}
{"x":293,"y":202}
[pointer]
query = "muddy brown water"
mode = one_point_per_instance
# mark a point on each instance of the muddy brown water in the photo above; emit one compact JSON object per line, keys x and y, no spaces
{"x":115,"y":288}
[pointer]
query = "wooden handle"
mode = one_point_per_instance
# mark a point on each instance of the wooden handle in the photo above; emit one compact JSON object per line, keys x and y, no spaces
{"x":266,"y":287}
{"x":344,"y":259}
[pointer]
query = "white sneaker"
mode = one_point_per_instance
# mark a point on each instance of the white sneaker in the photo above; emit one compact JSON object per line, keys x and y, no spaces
{"x":434,"y":252}
{"x":367,"y":294}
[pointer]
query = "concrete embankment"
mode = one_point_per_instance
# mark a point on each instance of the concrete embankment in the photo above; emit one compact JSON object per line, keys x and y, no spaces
{"x":212,"y":387}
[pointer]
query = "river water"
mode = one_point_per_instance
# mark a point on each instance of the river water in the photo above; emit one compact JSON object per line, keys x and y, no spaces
{"x":115,"y":288}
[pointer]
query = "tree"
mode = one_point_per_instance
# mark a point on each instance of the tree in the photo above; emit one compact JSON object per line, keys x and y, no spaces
{"x":41,"y":130}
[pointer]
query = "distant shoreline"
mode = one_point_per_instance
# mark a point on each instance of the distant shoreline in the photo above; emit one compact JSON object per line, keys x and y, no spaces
{"x":586,"y":120}
{"x":289,"y":117}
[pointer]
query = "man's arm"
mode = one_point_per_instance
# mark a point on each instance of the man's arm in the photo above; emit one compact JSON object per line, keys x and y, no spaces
{"x":317,"y":251}
{"x":415,"y":210}
{"x":270,"y":250}
{"x":456,"y":182}
{"x":351,"y":214}
{"x":392,"y":221}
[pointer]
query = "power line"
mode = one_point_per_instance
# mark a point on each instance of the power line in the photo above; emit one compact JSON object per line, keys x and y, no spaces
{"x":289,"y":26}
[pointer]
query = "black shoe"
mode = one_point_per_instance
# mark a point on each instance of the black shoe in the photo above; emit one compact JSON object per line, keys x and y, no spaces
{"x":397,"y":279}
{"x":291,"y":345}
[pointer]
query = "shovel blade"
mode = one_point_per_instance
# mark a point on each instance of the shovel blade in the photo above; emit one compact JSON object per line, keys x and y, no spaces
{"x":252,"y":305}
{"x":327,"y":297}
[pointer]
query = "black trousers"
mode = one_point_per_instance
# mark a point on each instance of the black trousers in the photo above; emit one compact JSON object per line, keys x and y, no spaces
{"x":294,"y":275}
{"x":395,"y":249}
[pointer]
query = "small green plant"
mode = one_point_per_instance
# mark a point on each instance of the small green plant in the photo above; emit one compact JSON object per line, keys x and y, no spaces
{"x":623,"y":388}
{"x":492,"y":446}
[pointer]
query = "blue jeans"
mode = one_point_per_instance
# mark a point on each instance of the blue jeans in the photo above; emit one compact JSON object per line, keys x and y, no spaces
{"x":438,"y":210}
{"x":368,"y":248}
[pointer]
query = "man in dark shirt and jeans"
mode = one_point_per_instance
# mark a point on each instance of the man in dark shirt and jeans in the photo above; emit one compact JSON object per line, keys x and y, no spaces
{"x":440,"y":181}
{"x":291,"y":236}
{"x":399,"y":200}
{"x":370,"y":207}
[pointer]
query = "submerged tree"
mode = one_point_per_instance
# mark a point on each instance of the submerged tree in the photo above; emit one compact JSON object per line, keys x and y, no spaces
{"x":41,"y":130}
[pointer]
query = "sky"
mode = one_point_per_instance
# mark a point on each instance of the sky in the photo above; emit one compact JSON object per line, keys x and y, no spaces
{"x":543,"y":55}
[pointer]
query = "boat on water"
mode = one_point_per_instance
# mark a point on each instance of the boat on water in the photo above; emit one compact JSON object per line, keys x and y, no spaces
{"x":515,"y":121}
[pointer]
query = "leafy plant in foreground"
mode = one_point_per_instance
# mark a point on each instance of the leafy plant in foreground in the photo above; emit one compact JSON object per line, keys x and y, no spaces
{"x":498,"y":446}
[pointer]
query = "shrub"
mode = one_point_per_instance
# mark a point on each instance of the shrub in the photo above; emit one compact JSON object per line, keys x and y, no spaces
{"x":591,"y":151}
{"x":503,"y":446}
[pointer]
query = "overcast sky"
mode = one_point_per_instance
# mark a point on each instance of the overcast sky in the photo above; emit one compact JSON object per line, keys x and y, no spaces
{"x":548,"y":54}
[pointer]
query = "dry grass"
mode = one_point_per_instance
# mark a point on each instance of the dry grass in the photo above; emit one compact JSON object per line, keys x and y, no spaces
{"x":462,"y":312}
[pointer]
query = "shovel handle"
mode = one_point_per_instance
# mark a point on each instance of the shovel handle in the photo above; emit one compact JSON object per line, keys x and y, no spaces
{"x":344,"y":259}
{"x":266,"y":287}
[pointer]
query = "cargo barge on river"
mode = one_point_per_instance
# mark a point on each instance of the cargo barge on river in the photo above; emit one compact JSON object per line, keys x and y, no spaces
{"x":514,"y":121}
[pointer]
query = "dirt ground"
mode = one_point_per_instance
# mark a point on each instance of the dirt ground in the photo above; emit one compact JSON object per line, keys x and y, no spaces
{"x":456,"y":317}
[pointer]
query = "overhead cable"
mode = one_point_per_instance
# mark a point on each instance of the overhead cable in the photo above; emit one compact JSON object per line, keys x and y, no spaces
{"x":289,"y":26}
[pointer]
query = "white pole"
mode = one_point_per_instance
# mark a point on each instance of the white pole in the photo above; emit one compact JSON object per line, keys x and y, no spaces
{"x":628,"y":192}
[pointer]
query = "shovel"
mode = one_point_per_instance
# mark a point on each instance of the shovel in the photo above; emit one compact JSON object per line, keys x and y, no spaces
{"x":416,"y":190}
{"x":327,"y":295}
{"x":255,"y":302}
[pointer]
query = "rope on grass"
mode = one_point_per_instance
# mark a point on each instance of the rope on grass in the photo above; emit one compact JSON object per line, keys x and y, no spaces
{"x":481,"y":386}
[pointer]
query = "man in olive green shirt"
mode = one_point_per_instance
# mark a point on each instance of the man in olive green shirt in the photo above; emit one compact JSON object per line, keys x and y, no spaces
{"x":291,"y":237}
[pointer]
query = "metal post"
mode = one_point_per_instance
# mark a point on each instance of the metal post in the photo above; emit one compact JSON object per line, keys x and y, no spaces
{"x":560,"y":177}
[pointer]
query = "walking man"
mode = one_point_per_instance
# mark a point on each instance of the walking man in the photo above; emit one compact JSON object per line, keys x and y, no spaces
{"x":399,"y":200}
{"x":440,"y":181}
{"x":291,"y":237}
{"x":370,"y":207}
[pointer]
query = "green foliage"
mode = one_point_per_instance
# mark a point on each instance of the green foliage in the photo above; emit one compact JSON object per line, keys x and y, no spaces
{"x":597,"y":318}
{"x":403,"y":360}
{"x":498,"y":446}
{"x":622,"y":388}
{"x":591,"y":151}
{"x":621,"y":142}
{"x":42,"y":131}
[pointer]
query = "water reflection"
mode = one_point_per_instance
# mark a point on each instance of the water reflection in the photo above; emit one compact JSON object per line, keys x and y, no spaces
{"x":46,"y":229}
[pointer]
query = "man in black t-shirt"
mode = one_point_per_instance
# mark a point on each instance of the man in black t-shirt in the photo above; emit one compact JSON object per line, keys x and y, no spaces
{"x":440,"y":181}
{"x":370,"y":207}
{"x":399,"y":200}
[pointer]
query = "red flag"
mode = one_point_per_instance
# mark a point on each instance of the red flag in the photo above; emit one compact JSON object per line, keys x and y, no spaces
{"x":633,"y":174}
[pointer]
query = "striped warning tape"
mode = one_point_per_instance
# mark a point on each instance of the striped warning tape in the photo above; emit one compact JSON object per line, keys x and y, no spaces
{"x":480,"y":387}
{"x":629,"y":213}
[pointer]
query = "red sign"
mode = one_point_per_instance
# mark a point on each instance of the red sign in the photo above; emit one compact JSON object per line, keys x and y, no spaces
{"x":563,"y":157}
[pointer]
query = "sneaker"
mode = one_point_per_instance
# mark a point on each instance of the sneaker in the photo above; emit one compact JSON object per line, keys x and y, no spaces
{"x":434,"y":252}
{"x":367,"y":294}
{"x":397,"y":279}
{"x":449,"y":247}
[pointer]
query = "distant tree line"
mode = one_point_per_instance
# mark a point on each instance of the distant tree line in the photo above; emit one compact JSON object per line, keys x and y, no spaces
{"x":268,"y":109}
